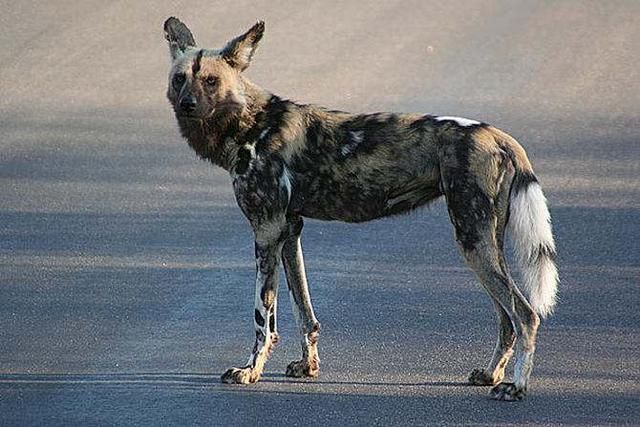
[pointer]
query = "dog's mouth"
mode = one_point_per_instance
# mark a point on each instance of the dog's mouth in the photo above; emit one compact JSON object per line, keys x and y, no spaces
{"x":193,"y":116}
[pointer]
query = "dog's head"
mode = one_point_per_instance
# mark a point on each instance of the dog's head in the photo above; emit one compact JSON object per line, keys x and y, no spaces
{"x":204,"y":82}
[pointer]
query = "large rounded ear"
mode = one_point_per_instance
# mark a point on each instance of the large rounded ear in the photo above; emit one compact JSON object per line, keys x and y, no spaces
{"x":238,"y":52}
{"x":178,"y":36}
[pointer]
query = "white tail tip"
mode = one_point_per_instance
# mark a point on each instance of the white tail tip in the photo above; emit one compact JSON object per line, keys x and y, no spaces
{"x":530,"y":224}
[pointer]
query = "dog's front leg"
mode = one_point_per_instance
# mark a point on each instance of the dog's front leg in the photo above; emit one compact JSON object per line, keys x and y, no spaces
{"x":268,"y":248}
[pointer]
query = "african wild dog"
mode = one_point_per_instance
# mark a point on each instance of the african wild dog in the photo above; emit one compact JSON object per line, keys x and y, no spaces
{"x":289,"y":161}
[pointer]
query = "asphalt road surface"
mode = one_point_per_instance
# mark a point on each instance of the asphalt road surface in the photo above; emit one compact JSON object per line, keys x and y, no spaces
{"x":126,"y":270}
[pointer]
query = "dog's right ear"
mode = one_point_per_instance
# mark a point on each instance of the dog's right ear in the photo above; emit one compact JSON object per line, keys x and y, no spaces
{"x":178,"y":36}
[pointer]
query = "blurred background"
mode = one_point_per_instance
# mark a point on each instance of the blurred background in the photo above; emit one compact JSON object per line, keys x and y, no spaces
{"x":126,"y":270}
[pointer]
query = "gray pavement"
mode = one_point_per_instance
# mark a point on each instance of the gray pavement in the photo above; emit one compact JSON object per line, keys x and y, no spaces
{"x":126,"y":270}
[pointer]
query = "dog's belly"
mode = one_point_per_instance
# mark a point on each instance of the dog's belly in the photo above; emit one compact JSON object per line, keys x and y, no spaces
{"x":362,"y":199}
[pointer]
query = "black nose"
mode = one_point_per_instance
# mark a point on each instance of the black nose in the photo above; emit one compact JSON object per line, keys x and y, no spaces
{"x":188,"y":104}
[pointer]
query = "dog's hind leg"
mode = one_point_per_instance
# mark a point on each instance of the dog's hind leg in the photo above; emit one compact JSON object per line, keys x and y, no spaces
{"x":515,"y":307}
{"x":476,"y":217}
{"x":306,"y":321}
{"x":524,"y":319}
{"x":494,"y":372}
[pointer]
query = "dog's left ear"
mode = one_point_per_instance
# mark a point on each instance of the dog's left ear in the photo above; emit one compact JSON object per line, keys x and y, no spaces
{"x":238,"y":52}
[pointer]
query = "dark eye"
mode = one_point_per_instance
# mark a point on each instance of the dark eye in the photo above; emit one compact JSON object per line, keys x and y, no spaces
{"x":178,"y":80}
{"x":211,"y":81}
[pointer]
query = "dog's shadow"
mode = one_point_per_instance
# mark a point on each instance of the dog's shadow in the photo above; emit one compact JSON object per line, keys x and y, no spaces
{"x":283,"y":379}
{"x":150,"y":378}
{"x":190,"y":379}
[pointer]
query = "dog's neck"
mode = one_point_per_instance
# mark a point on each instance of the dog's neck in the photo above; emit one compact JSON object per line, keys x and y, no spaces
{"x":219,"y":137}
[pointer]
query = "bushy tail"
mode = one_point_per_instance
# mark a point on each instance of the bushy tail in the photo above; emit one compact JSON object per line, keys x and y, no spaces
{"x":530,"y":224}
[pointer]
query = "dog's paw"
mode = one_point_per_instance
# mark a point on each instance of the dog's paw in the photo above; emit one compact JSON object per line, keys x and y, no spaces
{"x":240,"y":376}
{"x":507,"y":392}
{"x":302,"y":368}
{"x":482,"y":377}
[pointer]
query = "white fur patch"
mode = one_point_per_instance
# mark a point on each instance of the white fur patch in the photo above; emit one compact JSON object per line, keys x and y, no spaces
{"x":252,"y":150}
{"x":285,"y":181}
{"x":459,"y":120}
{"x":530,"y":224}
{"x":356,"y":137}
{"x":522,"y":369}
{"x":264,"y":133}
